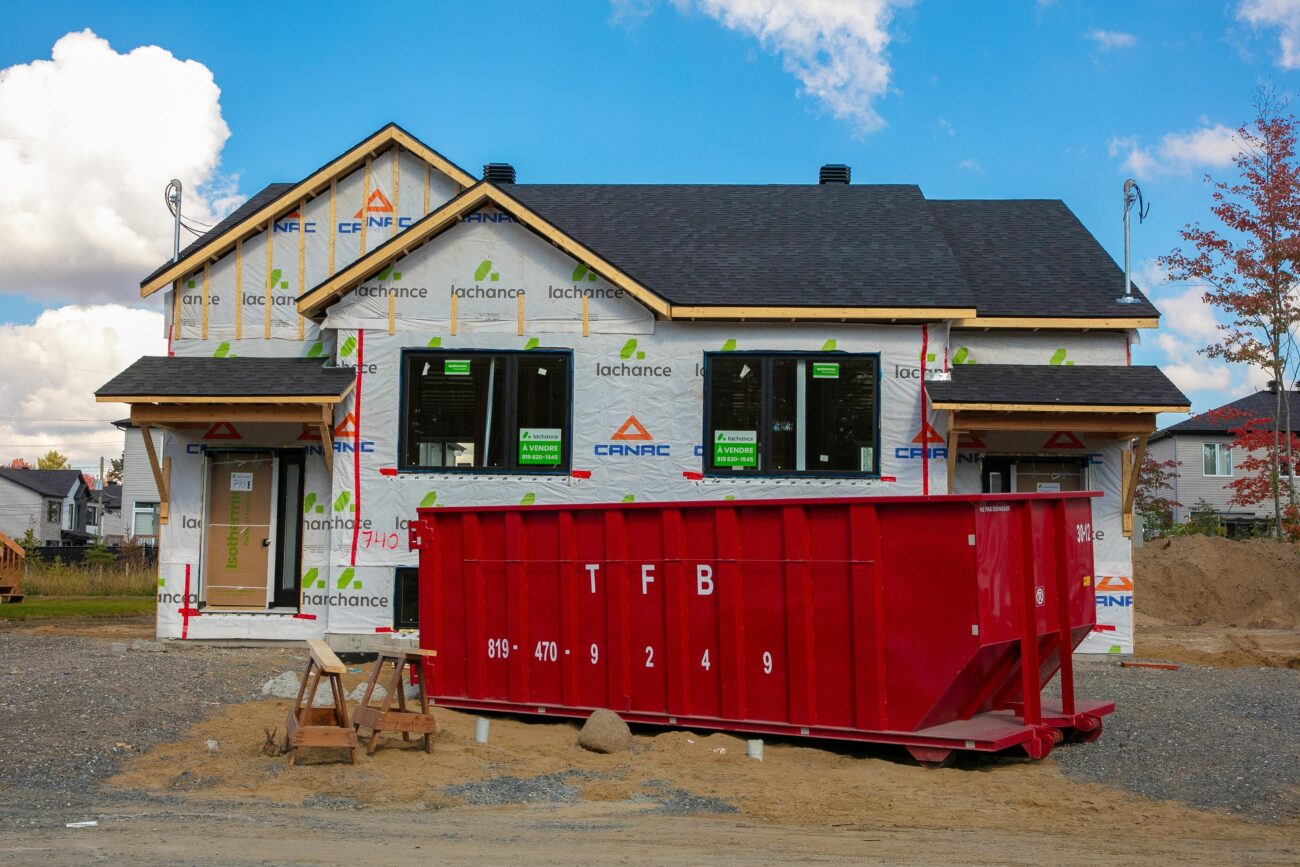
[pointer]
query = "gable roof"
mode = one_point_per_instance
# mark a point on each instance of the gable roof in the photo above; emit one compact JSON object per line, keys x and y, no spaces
{"x":1226,"y":418}
{"x":1097,"y":388}
{"x":47,"y":483}
{"x":808,"y":245}
{"x":279,"y":199}
{"x":1032,"y":258}
{"x":216,"y":380}
{"x":835,"y":251}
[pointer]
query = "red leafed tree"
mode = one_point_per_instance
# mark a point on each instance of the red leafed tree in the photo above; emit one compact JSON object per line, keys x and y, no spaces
{"x":18,"y":464}
{"x":1152,"y":499}
{"x":1257,"y":455}
{"x":1250,"y":262}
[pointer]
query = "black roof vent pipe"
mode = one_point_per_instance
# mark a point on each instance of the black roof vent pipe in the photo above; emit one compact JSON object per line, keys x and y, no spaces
{"x":834,"y":173}
{"x":1272,"y":386}
{"x":499,"y":173}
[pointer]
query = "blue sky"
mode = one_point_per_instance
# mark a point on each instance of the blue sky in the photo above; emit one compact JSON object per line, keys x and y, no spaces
{"x":1020,"y":98}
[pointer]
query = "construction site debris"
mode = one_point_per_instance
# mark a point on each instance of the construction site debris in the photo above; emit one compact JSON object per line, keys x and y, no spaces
{"x":605,"y":732}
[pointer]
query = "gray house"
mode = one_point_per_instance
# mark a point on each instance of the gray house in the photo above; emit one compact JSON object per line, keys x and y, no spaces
{"x":1208,"y":464}
{"x":53,"y":504}
{"x":138,"y":497}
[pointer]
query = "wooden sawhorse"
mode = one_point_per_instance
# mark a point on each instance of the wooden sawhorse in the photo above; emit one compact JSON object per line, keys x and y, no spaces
{"x":382,"y":718}
{"x":308,"y":726}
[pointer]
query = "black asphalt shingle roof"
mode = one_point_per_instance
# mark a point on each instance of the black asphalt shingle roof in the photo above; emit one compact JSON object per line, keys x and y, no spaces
{"x":229,"y":377}
{"x":1224,"y":419}
{"x":1032,"y":257}
{"x":823,"y":245}
{"x":47,"y":483}
{"x":1045,"y":385}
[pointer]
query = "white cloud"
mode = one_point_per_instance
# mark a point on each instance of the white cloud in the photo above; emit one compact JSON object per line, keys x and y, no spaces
{"x":946,"y":126}
{"x":49,"y":369}
{"x":1177,"y":153}
{"x":88,"y":140}
{"x":1187,"y":315}
{"x":836,"y":48}
{"x":1282,"y":14}
{"x":1109,"y":40}
{"x":972,"y":166}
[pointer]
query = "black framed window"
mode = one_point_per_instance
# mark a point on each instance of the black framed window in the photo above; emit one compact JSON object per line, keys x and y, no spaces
{"x":486,"y":411}
{"x":406,"y":598}
{"x":791,"y":414}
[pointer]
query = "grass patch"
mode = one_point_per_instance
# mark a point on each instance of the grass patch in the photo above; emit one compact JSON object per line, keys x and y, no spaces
{"x":59,"y":579}
{"x":43,"y":607}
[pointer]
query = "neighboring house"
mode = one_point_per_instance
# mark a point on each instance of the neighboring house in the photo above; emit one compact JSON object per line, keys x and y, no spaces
{"x":392,"y":332}
{"x":53,"y":504}
{"x":106,"y":514}
{"x":139,"y":490}
{"x":1208,"y":463}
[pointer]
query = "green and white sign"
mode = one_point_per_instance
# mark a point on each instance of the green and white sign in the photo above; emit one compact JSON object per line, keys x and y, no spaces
{"x":540,"y":447}
{"x":735,"y":448}
{"x":826,"y":370}
{"x":455,"y":367}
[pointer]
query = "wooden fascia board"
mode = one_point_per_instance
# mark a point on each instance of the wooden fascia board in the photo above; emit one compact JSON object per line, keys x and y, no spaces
{"x":308,"y":188}
{"x":214,"y":399}
{"x":1050,"y":408}
{"x":925,"y":314}
{"x":163,"y":415}
{"x":1099,"y":423}
{"x":449,"y":215}
{"x":1030,"y":322}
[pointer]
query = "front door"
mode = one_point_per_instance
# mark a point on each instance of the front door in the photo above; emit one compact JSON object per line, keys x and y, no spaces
{"x":239,"y":532}
{"x":1033,"y":475}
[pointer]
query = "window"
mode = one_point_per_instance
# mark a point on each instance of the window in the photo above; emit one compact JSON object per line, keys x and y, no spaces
{"x":486,"y":411}
{"x":1218,"y":459}
{"x":54,"y":512}
{"x":791,"y":414}
{"x":144,"y":519}
{"x":406,"y":598}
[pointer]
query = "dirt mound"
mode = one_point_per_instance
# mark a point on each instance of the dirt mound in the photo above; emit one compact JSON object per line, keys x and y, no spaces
{"x":1200,"y":580}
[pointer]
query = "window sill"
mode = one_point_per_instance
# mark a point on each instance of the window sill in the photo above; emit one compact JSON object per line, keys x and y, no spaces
{"x":477,"y":473}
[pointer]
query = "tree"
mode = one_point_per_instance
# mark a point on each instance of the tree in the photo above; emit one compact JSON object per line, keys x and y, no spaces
{"x":52,"y":460}
{"x":18,"y":464}
{"x":1251,"y":263}
{"x":1259,"y":458}
{"x":1151,"y":498}
{"x":115,"y":470}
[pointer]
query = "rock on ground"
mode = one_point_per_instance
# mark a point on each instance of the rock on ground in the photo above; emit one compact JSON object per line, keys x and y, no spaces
{"x":605,"y":732}
{"x":286,"y":684}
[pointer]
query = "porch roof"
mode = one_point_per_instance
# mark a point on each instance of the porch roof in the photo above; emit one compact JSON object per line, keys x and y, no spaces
{"x":170,"y":380}
{"x":1057,"y":389}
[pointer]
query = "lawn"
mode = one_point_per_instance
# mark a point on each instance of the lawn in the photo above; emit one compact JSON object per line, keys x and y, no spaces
{"x":42,"y":607}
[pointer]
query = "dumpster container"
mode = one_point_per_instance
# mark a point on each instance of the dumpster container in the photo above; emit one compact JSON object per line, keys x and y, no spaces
{"x":929,"y":622}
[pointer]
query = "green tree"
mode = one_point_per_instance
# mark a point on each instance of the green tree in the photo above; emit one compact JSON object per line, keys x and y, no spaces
{"x":52,"y":460}
{"x":115,"y":470}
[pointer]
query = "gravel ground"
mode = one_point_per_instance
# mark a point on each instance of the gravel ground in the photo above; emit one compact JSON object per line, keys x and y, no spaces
{"x":1216,"y":738}
{"x":73,"y":708}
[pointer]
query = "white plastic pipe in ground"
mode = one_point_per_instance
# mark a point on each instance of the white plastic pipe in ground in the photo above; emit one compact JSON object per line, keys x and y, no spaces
{"x":756,"y":750}
{"x":481,"y":730}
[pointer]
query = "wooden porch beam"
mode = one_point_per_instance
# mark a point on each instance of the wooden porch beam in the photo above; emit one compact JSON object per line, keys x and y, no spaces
{"x":159,"y":478}
{"x":1135,"y":471}
{"x":326,"y":423}
{"x":1136,"y":424}
{"x":164,"y":414}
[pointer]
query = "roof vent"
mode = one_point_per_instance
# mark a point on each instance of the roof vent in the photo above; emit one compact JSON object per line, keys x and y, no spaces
{"x":499,"y":173}
{"x":834,"y":173}
{"x":1272,"y":386}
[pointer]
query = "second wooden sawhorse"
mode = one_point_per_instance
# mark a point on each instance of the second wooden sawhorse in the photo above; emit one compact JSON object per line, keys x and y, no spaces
{"x":385,"y":718}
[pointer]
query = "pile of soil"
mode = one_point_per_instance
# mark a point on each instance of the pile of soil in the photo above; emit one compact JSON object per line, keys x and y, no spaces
{"x":1203,"y":580}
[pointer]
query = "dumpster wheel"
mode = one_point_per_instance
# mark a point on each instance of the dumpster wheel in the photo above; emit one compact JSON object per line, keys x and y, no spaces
{"x":1087,"y":730}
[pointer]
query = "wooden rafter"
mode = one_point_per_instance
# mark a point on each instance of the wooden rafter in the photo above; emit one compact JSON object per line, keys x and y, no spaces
{"x":310,"y":187}
{"x":1135,"y":424}
{"x":954,"y":406}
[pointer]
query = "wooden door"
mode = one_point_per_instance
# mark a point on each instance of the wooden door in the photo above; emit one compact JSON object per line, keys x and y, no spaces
{"x":240,"y":537}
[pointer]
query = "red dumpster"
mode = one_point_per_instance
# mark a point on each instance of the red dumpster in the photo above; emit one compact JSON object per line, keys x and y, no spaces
{"x":928,"y":622}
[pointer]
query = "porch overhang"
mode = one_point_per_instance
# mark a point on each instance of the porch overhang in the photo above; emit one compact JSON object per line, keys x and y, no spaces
{"x":186,"y":393}
{"x":1119,"y":401}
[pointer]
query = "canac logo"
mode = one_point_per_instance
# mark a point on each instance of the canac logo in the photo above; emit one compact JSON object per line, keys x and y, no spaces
{"x":293,"y":222}
{"x":377,"y":213}
{"x":489,"y":215}
{"x":632,"y":440}
{"x":1114,"y":591}
{"x":921,"y":448}
{"x":631,"y":353}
